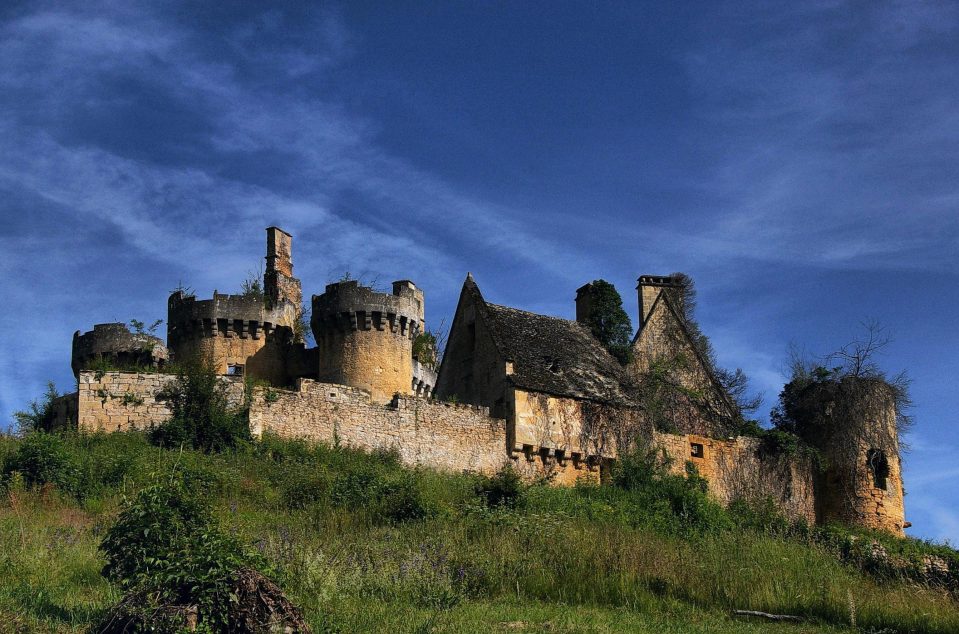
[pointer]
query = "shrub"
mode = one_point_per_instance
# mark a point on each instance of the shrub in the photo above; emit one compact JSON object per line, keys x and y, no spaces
{"x":401,"y":501}
{"x":39,"y":416}
{"x":43,"y":458}
{"x":166,"y":545}
{"x":670,"y":501}
{"x":504,"y":488}
{"x":202,"y":417}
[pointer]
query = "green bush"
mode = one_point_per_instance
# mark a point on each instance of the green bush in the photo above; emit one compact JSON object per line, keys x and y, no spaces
{"x":668,"y":501}
{"x":504,"y":488}
{"x":166,"y":545}
{"x":43,"y":458}
{"x":40,"y":415}
{"x":202,"y":417}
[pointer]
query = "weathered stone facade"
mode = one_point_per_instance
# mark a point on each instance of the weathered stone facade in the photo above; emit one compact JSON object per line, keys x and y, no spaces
{"x":739,"y":468}
{"x":116,"y":345}
{"x":440,"y":435}
{"x":121,"y":401}
{"x":365,"y":338}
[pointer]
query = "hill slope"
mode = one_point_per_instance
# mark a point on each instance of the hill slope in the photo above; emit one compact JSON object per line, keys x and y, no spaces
{"x":364,"y":545}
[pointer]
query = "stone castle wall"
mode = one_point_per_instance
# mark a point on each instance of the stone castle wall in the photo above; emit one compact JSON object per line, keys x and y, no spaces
{"x":439,"y":435}
{"x":454,"y":437}
{"x":120,"y":401}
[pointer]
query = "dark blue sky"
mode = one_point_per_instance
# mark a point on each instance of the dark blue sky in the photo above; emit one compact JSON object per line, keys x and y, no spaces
{"x":799,"y":160}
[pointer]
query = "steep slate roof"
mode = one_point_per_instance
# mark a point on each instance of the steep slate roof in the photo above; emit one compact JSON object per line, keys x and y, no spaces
{"x":555,"y":356}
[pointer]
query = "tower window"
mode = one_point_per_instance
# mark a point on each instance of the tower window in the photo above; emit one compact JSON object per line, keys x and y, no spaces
{"x":878,"y":467}
{"x":696,"y":450}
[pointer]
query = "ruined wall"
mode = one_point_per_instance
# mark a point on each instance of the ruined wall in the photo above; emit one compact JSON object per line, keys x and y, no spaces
{"x":439,"y":435}
{"x":738,"y":468}
{"x":115,"y":344}
{"x":662,"y":339}
{"x":120,"y":401}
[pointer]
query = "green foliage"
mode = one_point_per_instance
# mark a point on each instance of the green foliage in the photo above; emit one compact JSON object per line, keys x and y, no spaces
{"x":167,"y":545}
{"x":39,"y":416}
{"x":608,"y":322}
{"x":252,"y":286}
{"x":680,"y":501}
{"x":201,"y":415}
{"x":502,"y":489}
{"x":42,"y":459}
{"x":425,"y":349}
{"x":581,"y":558}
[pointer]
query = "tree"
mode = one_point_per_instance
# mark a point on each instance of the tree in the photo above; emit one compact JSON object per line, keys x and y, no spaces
{"x":734,"y":382}
{"x":608,"y":322}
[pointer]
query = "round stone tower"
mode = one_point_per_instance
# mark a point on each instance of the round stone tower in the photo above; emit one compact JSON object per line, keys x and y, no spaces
{"x":120,"y":348}
{"x":852,"y":421}
{"x":365,"y":338}
{"x":242,"y":334}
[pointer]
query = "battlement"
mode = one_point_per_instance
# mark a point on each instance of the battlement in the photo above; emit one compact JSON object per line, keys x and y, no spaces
{"x":347,"y":306}
{"x":117,"y":344}
{"x":223,"y":316}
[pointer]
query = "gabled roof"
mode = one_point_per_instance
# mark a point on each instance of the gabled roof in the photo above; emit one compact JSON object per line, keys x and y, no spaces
{"x":684,"y":329}
{"x":552,"y":355}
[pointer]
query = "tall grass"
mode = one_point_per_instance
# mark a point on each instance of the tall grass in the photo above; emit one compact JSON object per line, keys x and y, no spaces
{"x":363,"y":544}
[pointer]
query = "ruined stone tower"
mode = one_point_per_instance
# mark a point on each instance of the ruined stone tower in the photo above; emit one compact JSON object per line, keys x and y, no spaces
{"x":118,"y":347}
{"x":242,"y":334}
{"x":365,"y":338}
{"x":852,"y":421}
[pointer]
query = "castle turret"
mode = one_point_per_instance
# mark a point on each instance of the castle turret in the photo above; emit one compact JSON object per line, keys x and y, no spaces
{"x":852,"y":421}
{"x":365,"y":338}
{"x":242,"y":334}
{"x":118,"y":347}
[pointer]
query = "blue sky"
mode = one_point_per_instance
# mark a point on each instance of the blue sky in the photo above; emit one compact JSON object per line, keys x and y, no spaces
{"x":799,"y":160}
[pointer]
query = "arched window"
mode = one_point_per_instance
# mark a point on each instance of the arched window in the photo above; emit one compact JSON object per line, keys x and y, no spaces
{"x":878,"y":467}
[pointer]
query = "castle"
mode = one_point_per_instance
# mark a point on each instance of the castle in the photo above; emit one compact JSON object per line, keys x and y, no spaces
{"x":516,"y":388}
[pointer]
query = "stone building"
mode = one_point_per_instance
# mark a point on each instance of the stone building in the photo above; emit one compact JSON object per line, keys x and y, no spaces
{"x":538,"y":393}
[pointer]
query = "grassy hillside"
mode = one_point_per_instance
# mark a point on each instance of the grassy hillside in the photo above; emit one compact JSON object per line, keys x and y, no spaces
{"x":364,"y":545}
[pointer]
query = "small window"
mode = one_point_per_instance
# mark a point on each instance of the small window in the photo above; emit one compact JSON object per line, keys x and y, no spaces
{"x":234,"y":369}
{"x":878,"y":467}
{"x":696,"y":450}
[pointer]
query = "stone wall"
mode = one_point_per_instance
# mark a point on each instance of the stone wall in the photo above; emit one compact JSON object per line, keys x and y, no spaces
{"x":438,"y":435}
{"x":738,"y":468}
{"x":119,"y":401}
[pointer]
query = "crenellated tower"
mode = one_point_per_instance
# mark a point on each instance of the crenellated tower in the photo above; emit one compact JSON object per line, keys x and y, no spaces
{"x":365,"y":338}
{"x":242,"y":334}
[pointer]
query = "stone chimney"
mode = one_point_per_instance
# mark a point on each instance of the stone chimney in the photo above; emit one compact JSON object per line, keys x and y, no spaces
{"x":279,"y":285}
{"x":584,"y":302}
{"x":649,"y":288}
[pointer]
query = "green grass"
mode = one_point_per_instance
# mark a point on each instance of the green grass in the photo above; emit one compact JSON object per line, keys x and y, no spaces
{"x":364,"y":545}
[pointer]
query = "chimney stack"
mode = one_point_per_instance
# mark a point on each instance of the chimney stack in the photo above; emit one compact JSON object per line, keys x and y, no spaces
{"x":584,"y":302}
{"x":649,"y":288}
{"x":279,"y":285}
